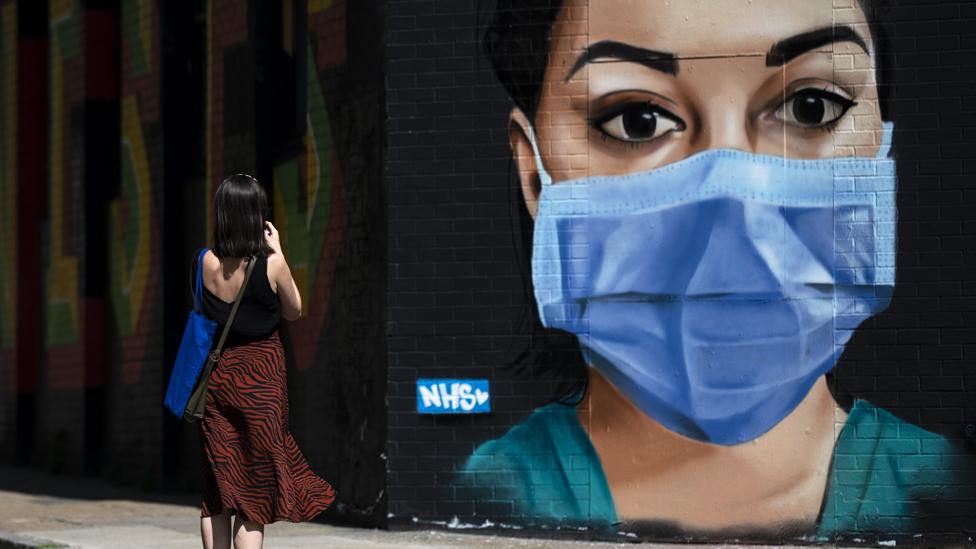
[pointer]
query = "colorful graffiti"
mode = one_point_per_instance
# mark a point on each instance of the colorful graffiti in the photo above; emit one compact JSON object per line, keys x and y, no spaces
{"x":8,"y":187}
{"x":131,"y":243}
{"x":714,"y":216}
{"x":134,"y":226}
{"x":309,"y":196}
{"x":133,"y":230}
{"x":231,"y":16}
{"x":62,"y":282}
{"x":62,"y":320}
{"x":307,"y":190}
{"x":100,"y":236}
{"x":137,"y":32}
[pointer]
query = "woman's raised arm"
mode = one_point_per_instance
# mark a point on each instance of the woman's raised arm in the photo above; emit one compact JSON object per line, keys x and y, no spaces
{"x":278,"y":270}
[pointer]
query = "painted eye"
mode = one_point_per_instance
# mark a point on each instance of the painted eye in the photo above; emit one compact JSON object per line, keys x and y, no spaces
{"x":637,"y":122}
{"x":811,"y":108}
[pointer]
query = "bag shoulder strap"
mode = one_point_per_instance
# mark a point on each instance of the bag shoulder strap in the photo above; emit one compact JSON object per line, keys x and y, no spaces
{"x":233,"y":311}
{"x":198,"y":282}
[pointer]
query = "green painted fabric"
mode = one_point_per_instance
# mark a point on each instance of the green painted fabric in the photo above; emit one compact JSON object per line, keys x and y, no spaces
{"x":548,"y":471}
{"x":885,"y":471}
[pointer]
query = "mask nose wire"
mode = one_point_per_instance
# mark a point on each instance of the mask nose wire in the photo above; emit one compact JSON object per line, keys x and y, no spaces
{"x":883,"y":151}
{"x":544,"y":176}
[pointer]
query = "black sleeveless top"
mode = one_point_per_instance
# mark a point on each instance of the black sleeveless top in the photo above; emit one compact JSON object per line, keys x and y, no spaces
{"x":259,"y":312}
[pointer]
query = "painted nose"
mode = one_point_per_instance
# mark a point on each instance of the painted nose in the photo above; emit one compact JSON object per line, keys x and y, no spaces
{"x":727,"y":123}
{"x":730,"y":130}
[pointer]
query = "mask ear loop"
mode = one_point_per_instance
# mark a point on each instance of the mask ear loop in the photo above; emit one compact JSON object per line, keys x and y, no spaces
{"x":885,"y":149}
{"x":544,"y":176}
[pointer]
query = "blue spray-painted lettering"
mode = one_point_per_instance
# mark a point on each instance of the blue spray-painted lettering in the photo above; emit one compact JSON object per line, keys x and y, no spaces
{"x":453,"y":396}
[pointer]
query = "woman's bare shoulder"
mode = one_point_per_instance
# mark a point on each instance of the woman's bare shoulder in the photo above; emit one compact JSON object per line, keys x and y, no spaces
{"x":211,"y":263}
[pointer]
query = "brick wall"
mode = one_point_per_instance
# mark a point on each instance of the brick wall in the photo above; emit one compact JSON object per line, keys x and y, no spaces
{"x":136,"y":268}
{"x":328,"y":207}
{"x":460,"y":301}
{"x":321,"y":176}
{"x":914,"y":358}
{"x":61,"y":412}
{"x":383,"y":139}
{"x":288,"y":107}
{"x":31,"y":181}
{"x":8,"y":212}
{"x":82,"y":85}
{"x":229,"y":96}
{"x":455,"y":291}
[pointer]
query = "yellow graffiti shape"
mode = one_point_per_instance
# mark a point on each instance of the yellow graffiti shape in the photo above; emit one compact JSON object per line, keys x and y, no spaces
{"x":312,"y":167}
{"x":291,"y":240}
{"x":145,"y":34}
{"x":60,"y":10}
{"x":315,"y":6}
{"x":133,"y":271}
{"x":62,"y":275}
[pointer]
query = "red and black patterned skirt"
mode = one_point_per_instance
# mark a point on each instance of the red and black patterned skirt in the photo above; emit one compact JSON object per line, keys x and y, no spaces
{"x":251,"y":462}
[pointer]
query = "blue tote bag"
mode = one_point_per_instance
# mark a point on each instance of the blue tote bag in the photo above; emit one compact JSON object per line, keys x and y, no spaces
{"x":194,"y":349}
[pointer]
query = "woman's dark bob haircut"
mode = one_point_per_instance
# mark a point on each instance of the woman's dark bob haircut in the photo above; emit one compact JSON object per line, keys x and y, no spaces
{"x":240,"y":208}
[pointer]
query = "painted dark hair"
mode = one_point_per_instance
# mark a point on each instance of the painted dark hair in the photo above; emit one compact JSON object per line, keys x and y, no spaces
{"x":240,"y":208}
{"x":516,"y":42}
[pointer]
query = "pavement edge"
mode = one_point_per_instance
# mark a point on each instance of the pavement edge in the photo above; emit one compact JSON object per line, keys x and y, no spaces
{"x":10,"y":540}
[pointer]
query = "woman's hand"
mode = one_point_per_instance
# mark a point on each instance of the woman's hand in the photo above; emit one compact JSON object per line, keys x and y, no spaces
{"x":271,"y":237}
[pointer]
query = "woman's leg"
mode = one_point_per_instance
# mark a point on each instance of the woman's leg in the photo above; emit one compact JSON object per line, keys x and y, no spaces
{"x":248,"y":534}
{"x":216,"y":530}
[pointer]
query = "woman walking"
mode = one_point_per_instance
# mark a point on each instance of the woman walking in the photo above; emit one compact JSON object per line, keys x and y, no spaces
{"x":252,"y":466}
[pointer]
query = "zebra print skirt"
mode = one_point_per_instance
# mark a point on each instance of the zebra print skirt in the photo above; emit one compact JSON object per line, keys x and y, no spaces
{"x":251,"y":463}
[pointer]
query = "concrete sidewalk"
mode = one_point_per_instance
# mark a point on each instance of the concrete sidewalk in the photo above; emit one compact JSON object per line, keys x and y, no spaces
{"x":41,"y":510}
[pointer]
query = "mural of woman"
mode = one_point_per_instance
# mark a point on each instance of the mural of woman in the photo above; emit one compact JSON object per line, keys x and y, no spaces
{"x":713,"y":202}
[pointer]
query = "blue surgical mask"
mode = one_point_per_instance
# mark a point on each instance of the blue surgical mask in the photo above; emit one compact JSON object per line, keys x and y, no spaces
{"x":714,"y":292}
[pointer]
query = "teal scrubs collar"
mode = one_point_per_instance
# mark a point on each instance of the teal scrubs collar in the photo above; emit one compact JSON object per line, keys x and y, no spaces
{"x":549,"y":471}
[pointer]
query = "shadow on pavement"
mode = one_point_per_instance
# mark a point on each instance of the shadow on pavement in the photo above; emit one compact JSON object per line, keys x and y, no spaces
{"x":37,"y":482}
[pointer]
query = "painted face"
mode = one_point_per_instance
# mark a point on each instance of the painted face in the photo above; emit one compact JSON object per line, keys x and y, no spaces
{"x":708,"y":291}
{"x":632,"y":85}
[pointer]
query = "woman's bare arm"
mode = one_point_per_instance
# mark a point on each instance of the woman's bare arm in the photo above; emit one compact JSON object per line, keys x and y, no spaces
{"x":291,"y":300}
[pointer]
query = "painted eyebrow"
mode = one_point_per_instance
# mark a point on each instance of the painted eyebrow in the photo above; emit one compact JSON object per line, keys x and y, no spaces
{"x":658,"y":60}
{"x":794,"y":46}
